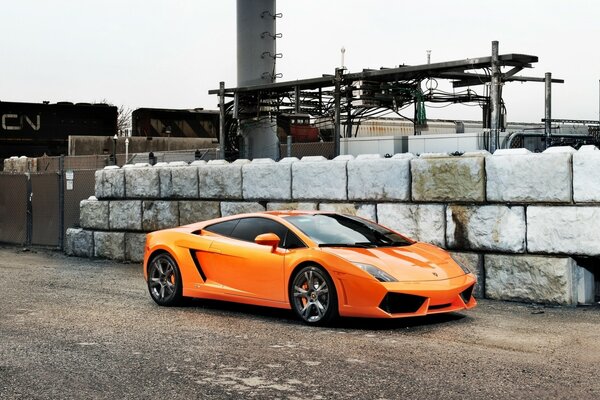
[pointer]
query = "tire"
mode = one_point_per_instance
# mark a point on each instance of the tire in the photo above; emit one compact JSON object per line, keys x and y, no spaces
{"x":164,"y":281}
{"x":313,"y":296}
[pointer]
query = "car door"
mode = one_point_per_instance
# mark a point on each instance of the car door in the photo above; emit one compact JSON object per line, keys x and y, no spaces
{"x":248,"y":269}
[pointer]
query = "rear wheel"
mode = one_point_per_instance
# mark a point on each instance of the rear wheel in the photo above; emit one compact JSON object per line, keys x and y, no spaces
{"x":164,"y":280}
{"x":313,"y":296}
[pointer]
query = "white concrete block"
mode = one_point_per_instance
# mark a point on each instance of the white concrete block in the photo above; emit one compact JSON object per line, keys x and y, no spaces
{"x":159,"y":214}
{"x":492,"y":228}
{"x":563,"y":230}
{"x":238,"y":207}
{"x":586,"y":176}
{"x":184,"y":182}
{"x":560,"y":149}
{"x":448,"y":179}
{"x":196,"y":211}
{"x":367,"y":211}
{"x":134,"y":246}
{"x":109,"y":245}
{"x":110,"y":183}
{"x":79,"y":242}
{"x":379,"y":179}
{"x":585,"y":286}
{"x":142,"y":183}
{"x":588,"y":147}
{"x":220,"y":181}
{"x":93,"y":214}
{"x":125,"y":215}
{"x":319,"y":180}
{"x":538,"y":279}
{"x":276,"y":206}
{"x":265,"y":179}
{"x":422,"y":222}
{"x":512,"y":152}
{"x":535,"y":178}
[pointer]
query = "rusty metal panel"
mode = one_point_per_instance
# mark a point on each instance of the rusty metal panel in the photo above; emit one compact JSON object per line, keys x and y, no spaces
{"x":80,"y":188}
{"x":13,"y":208}
{"x":45,"y":209}
{"x":325,"y":149}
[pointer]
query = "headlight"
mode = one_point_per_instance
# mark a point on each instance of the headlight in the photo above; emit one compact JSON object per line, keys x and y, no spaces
{"x":457,"y":260}
{"x":376,"y":273}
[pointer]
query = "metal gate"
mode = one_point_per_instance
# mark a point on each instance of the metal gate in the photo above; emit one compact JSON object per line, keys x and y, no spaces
{"x":37,"y":209}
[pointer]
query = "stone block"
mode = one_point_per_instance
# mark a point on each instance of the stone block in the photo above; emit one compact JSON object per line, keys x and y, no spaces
{"x":159,"y":214}
{"x":238,"y":207}
{"x":474,"y":263}
{"x":448,"y":179}
{"x":319,"y":179}
{"x":495,"y":228}
{"x":165,"y":179}
{"x":220,"y":181}
{"x":134,"y":246}
{"x":563,"y":230}
{"x":142,"y":183}
{"x":383,"y":179}
{"x":585,"y":286}
{"x":291,"y":206}
{"x":110,"y":183}
{"x":93,"y":214}
{"x":109,"y":245}
{"x":586,"y":179}
{"x":559,"y":149}
{"x":538,"y":279}
{"x":79,"y":242}
{"x":422,"y":222}
{"x":264,"y":179}
{"x":532,"y":178}
{"x":196,"y":211}
{"x":184,"y":181}
{"x":367,"y":211}
{"x":125,"y":215}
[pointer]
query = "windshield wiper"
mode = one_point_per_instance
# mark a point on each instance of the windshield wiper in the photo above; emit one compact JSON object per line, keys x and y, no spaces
{"x":364,"y":245}
{"x":394,"y":244}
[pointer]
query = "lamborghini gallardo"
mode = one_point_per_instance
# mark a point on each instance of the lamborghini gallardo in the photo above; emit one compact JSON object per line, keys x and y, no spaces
{"x":319,"y":264}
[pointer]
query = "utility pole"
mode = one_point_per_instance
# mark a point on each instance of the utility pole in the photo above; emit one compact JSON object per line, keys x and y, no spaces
{"x":495,"y":99}
{"x":548,"y":108}
{"x":222,"y":120}
{"x":337,"y":101}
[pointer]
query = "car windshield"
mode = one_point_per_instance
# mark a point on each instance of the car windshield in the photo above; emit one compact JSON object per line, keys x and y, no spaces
{"x":335,"y":230}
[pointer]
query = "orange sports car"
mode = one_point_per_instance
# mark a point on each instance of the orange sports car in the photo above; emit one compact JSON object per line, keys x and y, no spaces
{"x":321,"y":265}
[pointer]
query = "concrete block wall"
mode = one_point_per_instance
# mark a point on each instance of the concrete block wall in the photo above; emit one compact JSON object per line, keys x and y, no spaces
{"x":519,"y":220}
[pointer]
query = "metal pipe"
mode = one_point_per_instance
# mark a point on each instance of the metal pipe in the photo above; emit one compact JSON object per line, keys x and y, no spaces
{"x":297,"y":100}
{"x":548,"y":108}
{"x":495,"y":99}
{"x":222,"y":120}
{"x":289,"y":145}
{"x":336,"y":124}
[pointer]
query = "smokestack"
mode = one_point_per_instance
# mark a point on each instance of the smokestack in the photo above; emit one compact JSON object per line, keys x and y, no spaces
{"x":256,"y":37}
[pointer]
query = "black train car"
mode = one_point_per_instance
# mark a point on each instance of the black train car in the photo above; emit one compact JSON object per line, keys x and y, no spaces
{"x":159,"y":122}
{"x":32,"y":129}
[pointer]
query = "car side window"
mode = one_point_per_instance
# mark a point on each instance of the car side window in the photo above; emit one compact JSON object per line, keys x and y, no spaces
{"x":223,"y":228}
{"x":249,"y":228}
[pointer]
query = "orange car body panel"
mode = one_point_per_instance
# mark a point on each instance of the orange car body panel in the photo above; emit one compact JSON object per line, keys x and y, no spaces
{"x":222,"y":268}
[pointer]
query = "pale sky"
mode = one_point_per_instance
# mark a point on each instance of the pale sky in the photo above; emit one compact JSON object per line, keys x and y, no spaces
{"x":168,"y":54}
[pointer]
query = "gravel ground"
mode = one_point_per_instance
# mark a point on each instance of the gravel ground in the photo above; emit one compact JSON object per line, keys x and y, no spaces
{"x":73,"y":328}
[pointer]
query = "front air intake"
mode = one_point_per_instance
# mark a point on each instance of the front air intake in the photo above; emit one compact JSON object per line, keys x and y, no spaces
{"x":467,"y":293}
{"x":400,"y":303}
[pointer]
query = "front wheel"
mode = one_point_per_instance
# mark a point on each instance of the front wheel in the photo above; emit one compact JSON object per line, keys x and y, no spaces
{"x":313,"y":296}
{"x":164,"y":280}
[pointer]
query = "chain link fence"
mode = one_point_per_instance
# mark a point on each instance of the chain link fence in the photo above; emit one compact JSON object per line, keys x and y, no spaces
{"x":38,"y":208}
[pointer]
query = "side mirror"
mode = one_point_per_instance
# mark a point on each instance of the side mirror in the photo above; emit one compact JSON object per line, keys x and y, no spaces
{"x":268,"y":239}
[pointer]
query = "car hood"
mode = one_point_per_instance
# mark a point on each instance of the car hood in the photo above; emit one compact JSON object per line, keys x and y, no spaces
{"x":417,"y":262}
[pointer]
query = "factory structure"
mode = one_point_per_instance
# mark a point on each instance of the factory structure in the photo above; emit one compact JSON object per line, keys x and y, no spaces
{"x":371,"y":111}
